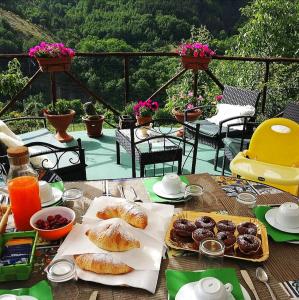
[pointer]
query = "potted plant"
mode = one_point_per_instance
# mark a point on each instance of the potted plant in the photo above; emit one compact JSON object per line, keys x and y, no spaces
{"x":127,"y":119}
{"x":195,"y":55}
{"x":178,"y":103}
{"x":144,"y":111}
{"x":93,"y":120}
{"x":60,"y":115}
{"x":52,"y":57}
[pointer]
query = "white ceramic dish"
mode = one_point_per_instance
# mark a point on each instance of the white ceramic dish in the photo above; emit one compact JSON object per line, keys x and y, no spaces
{"x":57,"y":194}
{"x":244,"y":291}
{"x":270,"y":218}
{"x":158,"y":190}
{"x":14,"y":297}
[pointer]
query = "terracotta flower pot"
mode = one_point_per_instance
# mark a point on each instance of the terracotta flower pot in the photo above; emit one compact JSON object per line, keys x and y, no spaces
{"x":54,"y":64}
{"x":61,"y":123}
{"x":191,"y":116}
{"x":94,"y":126}
{"x":144,"y":120}
{"x":196,"y":63}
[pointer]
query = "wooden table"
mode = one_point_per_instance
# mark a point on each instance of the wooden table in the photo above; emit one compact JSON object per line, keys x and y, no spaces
{"x":282,"y":265}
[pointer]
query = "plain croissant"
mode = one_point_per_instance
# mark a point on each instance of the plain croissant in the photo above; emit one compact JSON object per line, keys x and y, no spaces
{"x":128,"y":211}
{"x":111,"y":235}
{"x":102,"y":263}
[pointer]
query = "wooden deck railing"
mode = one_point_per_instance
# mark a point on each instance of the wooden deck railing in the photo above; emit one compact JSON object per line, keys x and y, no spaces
{"x":126,"y":56}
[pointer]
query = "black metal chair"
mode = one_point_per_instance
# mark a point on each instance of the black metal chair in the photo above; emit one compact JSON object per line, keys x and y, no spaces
{"x":232,"y":146}
{"x":211,"y":134}
{"x":67,"y":162}
{"x":159,"y":145}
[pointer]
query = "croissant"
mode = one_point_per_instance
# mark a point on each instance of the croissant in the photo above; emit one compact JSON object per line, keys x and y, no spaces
{"x":102,"y":263}
{"x":111,"y":235}
{"x":130,"y":212}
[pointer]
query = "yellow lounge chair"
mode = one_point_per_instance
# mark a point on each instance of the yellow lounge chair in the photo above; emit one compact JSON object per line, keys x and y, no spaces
{"x":273,"y":156}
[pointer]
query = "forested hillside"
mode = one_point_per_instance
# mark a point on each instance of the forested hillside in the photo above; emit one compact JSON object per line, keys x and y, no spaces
{"x":144,"y":25}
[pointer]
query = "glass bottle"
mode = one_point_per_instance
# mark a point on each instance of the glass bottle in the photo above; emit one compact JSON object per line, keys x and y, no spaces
{"x":23,"y":189}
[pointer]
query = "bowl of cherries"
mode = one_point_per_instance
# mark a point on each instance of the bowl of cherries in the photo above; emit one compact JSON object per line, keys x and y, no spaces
{"x":53,"y":223}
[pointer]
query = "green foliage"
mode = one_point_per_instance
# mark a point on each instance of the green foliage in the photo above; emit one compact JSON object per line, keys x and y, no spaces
{"x":163,"y":113}
{"x":12,"y":80}
{"x":34,"y":105}
{"x":128,"y":110}
{"x":63,"y":107}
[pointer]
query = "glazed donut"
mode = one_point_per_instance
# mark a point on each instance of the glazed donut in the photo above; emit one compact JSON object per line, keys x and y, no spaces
{"x":226,"y":225}
{"x":183,"y":227}
{"x":205,"y":222}
{"x":247,"y":228}
{"x":248,"y":243}
{"x":180,"y":239}
{"x":228,"y":238}
{"x":200,"y":234}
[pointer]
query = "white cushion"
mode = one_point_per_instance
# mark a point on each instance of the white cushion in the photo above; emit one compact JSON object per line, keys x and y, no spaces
{"x":226,"y":111}
{"x":6,"y":130}
{"x":37,"y":161}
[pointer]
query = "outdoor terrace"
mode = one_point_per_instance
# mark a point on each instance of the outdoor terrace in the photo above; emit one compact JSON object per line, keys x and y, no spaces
{"x":100,"y":153}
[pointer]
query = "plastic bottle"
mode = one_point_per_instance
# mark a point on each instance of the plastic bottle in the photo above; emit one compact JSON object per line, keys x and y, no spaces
{"x":23,"y":189}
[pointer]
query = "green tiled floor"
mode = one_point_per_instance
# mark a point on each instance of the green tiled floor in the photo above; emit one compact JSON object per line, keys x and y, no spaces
{"x":101,"y":158}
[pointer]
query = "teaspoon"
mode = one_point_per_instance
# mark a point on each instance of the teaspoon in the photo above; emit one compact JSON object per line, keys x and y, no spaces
{"x":262,"y":276}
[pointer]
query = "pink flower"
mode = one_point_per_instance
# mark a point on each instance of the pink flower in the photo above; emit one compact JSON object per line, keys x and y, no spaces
{"x":218,"y":98}
{"x":190,"y":94}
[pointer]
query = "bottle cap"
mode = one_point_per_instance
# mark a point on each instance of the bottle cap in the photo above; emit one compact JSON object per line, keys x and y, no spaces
{"x":18,"y":154}
{"x":17,"y":151}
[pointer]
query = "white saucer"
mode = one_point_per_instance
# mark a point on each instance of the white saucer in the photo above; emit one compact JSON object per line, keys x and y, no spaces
{"x":244,"y":291}
{"x":57,"y":194}
{"x":270,"y":218}
{"x":158,"y":190}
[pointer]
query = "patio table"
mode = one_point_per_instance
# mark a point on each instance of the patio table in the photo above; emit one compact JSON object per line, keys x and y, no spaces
{"x":282,"y":264}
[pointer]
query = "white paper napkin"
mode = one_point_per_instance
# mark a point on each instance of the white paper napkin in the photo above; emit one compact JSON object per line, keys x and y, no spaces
{"x":146,"y":280}
{"x":159,"y":215}
{"x":147,"y":257}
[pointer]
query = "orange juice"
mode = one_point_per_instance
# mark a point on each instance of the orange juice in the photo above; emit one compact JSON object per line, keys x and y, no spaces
{"x":24,"y":198}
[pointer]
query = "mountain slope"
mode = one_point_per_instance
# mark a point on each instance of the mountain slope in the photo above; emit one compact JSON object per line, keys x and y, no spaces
{"x":26,"y":28}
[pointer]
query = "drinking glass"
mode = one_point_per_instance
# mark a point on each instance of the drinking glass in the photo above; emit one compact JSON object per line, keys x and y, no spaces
{"x":244,"y":203}
{"x":211,"y":253}
{"x":194,"y":192}
{"x":73,"y":198}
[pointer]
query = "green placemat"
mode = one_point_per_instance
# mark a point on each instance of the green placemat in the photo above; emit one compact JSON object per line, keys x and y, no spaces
{"x":176,"y":279}
{"x":149,"y":182}
{"x":276,"y":235}
{"x":41,"y":290}
{"x":59,"y":185}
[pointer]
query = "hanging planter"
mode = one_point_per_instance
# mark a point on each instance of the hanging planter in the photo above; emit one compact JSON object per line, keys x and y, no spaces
{"x":196,"y":63}
{"x":144,"y":120}
{"x":195,"y":55}
{"x":191,"y":116}
{"x":53,"y":57}
{"x":54,"y":64}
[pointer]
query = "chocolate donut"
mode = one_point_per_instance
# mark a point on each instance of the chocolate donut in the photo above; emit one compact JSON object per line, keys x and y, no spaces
{"x":183,"y":227}
{"x":226,"y":225}
{"x":228,"y":238}
{"x":248,"y":243}
{"x":205,"y":222}
{"x":247,"y":228}
{"x":180,"y":239}
{"x":200,"y":234}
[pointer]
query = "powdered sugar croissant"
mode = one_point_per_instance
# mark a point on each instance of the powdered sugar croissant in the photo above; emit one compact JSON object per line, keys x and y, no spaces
{"x":112,"y":235}
{"x":130,"y":212}
{"x":101,"y":263}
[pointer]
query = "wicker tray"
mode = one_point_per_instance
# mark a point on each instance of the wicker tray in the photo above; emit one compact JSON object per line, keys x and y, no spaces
{"x":261,"y":255}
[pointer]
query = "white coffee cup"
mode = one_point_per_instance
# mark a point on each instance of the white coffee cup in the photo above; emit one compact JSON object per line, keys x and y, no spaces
{"x":208,"y":288}
{"x":171,"y":184}
{"x":45,"y":191}
{"x":288,"y":215}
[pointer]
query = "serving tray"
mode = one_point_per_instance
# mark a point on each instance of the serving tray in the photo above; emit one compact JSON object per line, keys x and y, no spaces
{"x":261,"y":255}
